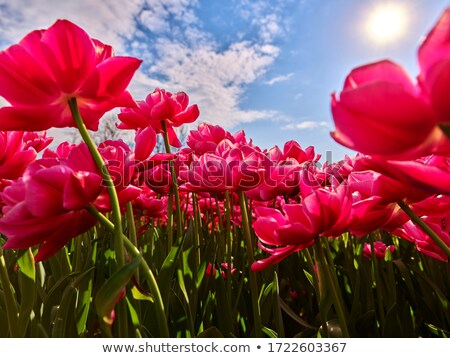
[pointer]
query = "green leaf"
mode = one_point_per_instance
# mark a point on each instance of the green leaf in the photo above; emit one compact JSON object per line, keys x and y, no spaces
{"x":309,"y":277}
{"x":138,"y":295}
{"x":211,"y":332}
{"x":442,"y":333}
{"x":27,"y":287}
{"x":64,"y":324}
{"x":269,"y":332}
{"x":167,"y":272}
{"x":108,"y":294}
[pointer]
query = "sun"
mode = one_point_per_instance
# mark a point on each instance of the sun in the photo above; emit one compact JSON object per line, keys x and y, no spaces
{"x":387,"y":22}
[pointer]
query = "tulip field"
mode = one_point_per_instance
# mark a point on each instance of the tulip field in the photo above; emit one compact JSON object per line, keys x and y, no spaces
{"x":215,"y":236}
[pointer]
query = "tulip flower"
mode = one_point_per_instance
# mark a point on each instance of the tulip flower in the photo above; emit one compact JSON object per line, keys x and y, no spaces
{"x":47,"y":207}
{"x":322,"y":212}
{"x":282,"y":171}
{"x":423,"y":242}
{"x":231,"y":167}
{"x":280,"y":234}
{"x":434,"y":62}
{"x":18,"y":150}
{"x":162,"y":111}
{"x":380,"y":111}
{"x":47,"y":68}
{"x":206,"y":138}
{"x":380,"y":250}
{"x":424,"y":176}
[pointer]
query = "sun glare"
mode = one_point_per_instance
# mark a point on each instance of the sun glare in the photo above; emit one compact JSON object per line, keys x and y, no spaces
{"x":387,"y":23}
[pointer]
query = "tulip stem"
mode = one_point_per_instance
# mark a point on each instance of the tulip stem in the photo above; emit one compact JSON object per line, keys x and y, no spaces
{"x":328,"y":283}
{"x":148,"y":274}
{"x":419,"y":222}
{"x":107,"y":181}
{"x":174,"y":179}
{"x":122,"y":318}
{"x":251,"y":259}
{"x":11,"y":306}
{"x":229,"y":240}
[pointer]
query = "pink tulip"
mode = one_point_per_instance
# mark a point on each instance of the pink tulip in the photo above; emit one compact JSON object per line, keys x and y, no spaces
{"x":380,"y":111}
{"x":322,"y":212}
{"x":434,"y":61}
{"x":380,"y":250}
{"x":38,"y":141}
{"x":329,"y":210}
{"x":424,"y":176}
{"x":370,"y":214}
{"x":210,"y":271}
{"x":282,"y":171}
{"x":280,"y":234}
{"x":231,"y":167}
{"x":158,"y":178}
{"x":47,"y":207}
{"x":423,"y":242}
{"x":18,"y":150}
{"x":160,"y":106}
{"x":208,"y":174}
{"x":119,"y":160}
{"x":62,"y":151}
{"x":4,"y":183}
{"x":372,"y":184}
{"x":148,"y":204}
{"x":48,"y":67}
{"x":206,"y":138}
{"x":145,"y":143}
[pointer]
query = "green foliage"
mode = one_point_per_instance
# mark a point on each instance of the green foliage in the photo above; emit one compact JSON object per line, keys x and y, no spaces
{"x":405,"y":295}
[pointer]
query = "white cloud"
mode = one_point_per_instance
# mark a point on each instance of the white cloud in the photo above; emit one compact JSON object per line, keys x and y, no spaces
{"x":305,"y":125}
{"x":280,"y":78}
{"x":214,"y":79}
{"x":269,"y":27}
{"x":109,"y":21}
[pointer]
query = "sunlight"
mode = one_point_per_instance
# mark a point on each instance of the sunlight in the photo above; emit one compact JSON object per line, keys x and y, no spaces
{"x":387,"y":23}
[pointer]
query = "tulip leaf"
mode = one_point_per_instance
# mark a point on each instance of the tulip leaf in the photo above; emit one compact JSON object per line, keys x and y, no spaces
{"x":211,"y":332}
{"x":269,"y":332}
{"x":167,"y":271}
{"x":140,"y":296}
{"x":110,"y":291}
{"x":64,"y":324}
{"x":27,"y":286}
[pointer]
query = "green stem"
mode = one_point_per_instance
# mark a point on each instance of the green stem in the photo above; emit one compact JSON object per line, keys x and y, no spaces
{"x":11,"y":306}
{"x":310,"y":264}
{"x":169,"y":221}
{"x":132,"y":228}
{"x":252,"y":275}
{"x":229,"y":239}
{"x":122,"y":318}
{"x":326,"y":275}
{"x":377,"y":282}
{"x":107,"y":180}
{"x":419,"y":222}
{"x":322,"y":284}
{"x":147,"y":272}
{"x":174,"y":181}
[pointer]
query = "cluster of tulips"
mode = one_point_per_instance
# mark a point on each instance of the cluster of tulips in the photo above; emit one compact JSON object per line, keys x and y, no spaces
{"x":219,"y":209}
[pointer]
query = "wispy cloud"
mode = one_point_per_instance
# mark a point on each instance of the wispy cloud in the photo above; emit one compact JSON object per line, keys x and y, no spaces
{"x":298,"y":95}
{"x":305,"y":125}
{"x":214,"y":79}
{"x":111,"y":21}
{"x":280,"y":78}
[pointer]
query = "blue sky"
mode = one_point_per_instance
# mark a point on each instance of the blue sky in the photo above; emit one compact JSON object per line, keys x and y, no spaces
{"x":267,"y":67}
